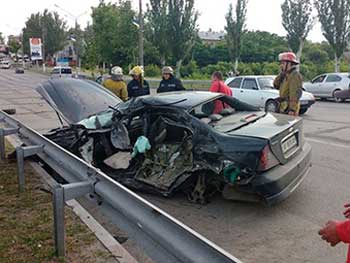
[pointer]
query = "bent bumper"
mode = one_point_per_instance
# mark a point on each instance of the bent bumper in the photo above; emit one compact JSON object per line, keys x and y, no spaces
{"x":278,"y":183}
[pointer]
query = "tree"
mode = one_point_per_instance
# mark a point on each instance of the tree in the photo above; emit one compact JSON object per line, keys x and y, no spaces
{"x":334,"y":16}
{"x":14,"y":46}
{"x":114,"y":31}
{"x":1,"y":38}
{"x":173,"y":29}
{"x":297,"y":20}
{"x":235,"y":28}
{"x":157,"y":27}
{"x":47,"y":26}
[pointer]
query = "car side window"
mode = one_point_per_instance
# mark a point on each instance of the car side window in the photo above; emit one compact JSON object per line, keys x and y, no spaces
{"x":250,"y":84}
{"x":55,"y":71}
{"x":236,"y":83}
{"x":333,"y":78}
{"x":319,"y":79}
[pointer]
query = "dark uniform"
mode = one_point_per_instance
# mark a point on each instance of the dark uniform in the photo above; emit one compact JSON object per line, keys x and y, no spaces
{"x":135,"y":89}
{"x":171,"y":84}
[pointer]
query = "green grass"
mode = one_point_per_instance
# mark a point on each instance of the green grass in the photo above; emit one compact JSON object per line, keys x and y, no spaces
{"x":26,"y":223}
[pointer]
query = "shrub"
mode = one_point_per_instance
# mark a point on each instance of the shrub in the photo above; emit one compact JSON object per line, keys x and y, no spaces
{"x":152,"y":71}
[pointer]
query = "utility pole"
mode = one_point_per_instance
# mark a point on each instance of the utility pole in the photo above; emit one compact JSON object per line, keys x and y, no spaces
{"x":141,"y":34}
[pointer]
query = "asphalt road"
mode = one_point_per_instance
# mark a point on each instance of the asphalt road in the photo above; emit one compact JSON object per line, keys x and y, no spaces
{"x":286,"y":232}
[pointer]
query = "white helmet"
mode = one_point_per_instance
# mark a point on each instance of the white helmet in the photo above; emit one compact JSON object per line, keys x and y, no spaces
{"x":117,"y":71}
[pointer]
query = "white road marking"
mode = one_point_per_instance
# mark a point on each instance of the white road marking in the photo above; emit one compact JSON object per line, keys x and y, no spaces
{"x":329,"y":143}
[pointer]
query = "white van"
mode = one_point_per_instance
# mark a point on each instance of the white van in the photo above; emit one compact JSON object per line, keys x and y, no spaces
{"x":61,"y":72}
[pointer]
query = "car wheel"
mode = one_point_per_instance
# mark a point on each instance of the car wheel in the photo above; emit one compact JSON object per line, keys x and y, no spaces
{"x":336,"y":99}
{"x":271,"y":106}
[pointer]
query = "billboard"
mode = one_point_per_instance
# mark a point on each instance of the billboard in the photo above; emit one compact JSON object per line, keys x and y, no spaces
{"x":35,"y":48}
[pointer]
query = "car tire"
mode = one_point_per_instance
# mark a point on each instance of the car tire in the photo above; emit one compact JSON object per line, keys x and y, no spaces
{"x":335,"y":98}
{"x":271,"y":106}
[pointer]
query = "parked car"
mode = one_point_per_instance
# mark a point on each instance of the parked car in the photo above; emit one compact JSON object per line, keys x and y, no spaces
{"x":259,"y":91}
{"x":19,"y":70}
{"x":326,"y":85}
{"x":172,"y":142}
{"x":5,"y":64}
{"x":61,"y":72}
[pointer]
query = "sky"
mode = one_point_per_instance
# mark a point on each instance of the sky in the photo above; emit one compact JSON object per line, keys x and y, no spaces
{"x":263,"y":15}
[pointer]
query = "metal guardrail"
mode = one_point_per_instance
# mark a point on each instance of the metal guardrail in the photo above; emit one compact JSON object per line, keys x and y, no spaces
{"x":163,"y":237}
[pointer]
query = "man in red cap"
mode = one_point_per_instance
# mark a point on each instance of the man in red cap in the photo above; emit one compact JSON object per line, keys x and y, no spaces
{"x":289,"y":82}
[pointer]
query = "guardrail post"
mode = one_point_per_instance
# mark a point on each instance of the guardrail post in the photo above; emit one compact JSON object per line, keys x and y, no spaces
{"x":61,"y":194}
{"x":4,"y":132}
{"x":21,"y":153}
{"x":58,"y":214}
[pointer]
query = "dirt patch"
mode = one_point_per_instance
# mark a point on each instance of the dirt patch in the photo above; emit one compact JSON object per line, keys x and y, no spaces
{"x":26,"y":223}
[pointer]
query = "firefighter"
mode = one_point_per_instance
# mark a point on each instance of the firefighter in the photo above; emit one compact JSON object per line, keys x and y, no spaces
{"x":289,"y":83}
{"x":138,"y":86}
{"x":116,"y":84}
{"x":169,"y":82}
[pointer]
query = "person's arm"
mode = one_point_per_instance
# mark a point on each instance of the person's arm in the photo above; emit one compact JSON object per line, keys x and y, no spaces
{"x":278,"y":81}
{"x":295,"y":85}
{"x":343,"y":231}
{"x":145,"y":84}
{"x":179,"y":85}
{"x":124,"y":92}
{"x":214,"y":87}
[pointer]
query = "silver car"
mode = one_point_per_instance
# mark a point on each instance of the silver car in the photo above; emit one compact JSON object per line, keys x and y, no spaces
{"x":326,"y":85}
{"x":259,"y":91}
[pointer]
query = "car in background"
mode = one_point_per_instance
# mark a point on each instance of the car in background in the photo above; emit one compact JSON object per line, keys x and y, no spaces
{"x":19,"y":70}
{"x":5,"y":64}
{"x":259,"y":91}
{"x":327,"y":85}
{"x":61,"y":72}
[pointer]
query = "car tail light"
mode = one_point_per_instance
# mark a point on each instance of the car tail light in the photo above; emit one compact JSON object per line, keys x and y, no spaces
{"x":267,"y":159}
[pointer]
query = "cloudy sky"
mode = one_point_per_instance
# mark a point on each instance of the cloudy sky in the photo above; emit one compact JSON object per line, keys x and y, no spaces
{"x":264,"y":15}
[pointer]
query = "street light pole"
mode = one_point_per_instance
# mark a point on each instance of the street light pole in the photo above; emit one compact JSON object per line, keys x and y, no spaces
{"x":141,"y":35}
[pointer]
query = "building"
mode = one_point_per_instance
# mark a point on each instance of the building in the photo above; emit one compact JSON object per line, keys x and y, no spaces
{"x":211,"y":37}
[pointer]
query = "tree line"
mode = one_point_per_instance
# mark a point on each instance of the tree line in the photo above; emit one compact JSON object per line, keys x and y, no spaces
{"x":171,"y":37}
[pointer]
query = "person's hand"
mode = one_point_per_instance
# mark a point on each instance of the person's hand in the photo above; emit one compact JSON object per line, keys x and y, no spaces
{"x":329,"y":233}
{"x":347,"y":210}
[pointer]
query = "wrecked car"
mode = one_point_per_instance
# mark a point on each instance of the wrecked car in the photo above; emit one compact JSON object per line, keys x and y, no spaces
{"x":172,"y":142}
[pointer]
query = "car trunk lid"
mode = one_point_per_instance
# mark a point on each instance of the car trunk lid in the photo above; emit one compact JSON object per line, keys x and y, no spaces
{"x":283,"y":132}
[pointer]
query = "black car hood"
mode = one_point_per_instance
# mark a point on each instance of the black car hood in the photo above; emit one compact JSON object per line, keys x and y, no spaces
{"x":76,"y":99}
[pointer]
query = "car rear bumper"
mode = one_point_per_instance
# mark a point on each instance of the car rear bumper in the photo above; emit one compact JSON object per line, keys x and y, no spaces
{"x":278,"y":183}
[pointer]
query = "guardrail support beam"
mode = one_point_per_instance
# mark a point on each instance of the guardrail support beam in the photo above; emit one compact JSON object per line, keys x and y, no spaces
{"x":21,"y":153}
{"x":58,"y":214}
{"x":4,"y":132}
{"x":61,"y":194}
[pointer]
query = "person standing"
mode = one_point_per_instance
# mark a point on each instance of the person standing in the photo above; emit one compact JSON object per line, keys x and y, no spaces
{"x":217,"y":85}
{"x":116,"y":84}
{"x":169,"y":82}
{"x":138,"y":86}
{"x":289,"y":83}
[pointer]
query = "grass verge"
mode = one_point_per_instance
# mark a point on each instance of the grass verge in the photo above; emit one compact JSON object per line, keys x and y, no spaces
{"x":26,"y":223}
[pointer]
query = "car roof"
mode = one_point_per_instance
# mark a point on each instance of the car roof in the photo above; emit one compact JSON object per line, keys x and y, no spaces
{"x":181,"y":99}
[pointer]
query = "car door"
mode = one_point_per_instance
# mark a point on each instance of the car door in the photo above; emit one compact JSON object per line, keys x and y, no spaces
{"x":315,"y":87}
{"x":331,"y":84}
{"x":249,"y":92}
{"x":235,"y":86}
